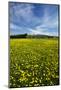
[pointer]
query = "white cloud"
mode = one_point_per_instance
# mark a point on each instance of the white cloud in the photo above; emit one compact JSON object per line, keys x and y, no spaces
{"x":15,"y":27}
{"x":42,"y":32}
{"x":35,"y":31}
{"x":48,"y":23}
{"x":45,"y":23}
{"x":24,"y":11}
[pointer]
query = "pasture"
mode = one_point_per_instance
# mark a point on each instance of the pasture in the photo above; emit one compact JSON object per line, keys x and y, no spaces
{"x":33,"y":62}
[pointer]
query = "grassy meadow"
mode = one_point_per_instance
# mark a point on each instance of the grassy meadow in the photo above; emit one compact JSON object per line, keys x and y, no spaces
{"x":33,"y":62}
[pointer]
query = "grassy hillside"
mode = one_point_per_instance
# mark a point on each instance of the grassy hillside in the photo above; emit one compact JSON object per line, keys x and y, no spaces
{"x":33,"y":62}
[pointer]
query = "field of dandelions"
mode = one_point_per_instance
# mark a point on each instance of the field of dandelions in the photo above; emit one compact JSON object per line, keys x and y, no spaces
{"x":33,"y":62}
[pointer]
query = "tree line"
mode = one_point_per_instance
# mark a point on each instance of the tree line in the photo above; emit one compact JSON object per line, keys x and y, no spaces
{"x":31,"y":36}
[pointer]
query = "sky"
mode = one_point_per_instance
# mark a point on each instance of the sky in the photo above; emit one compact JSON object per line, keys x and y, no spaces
{"x":33,"y":19}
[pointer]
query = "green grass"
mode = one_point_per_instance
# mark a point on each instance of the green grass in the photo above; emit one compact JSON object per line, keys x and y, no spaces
{"x":33,"y":62}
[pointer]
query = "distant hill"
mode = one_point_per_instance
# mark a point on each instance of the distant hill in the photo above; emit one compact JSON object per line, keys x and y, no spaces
{"x":31,"y":36}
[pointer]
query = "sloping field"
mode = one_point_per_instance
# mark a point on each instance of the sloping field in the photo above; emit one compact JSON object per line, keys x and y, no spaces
{"x":33,"y":62}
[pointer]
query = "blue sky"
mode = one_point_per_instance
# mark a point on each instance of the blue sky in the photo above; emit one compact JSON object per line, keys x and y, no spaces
{"x":33,"y":18}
